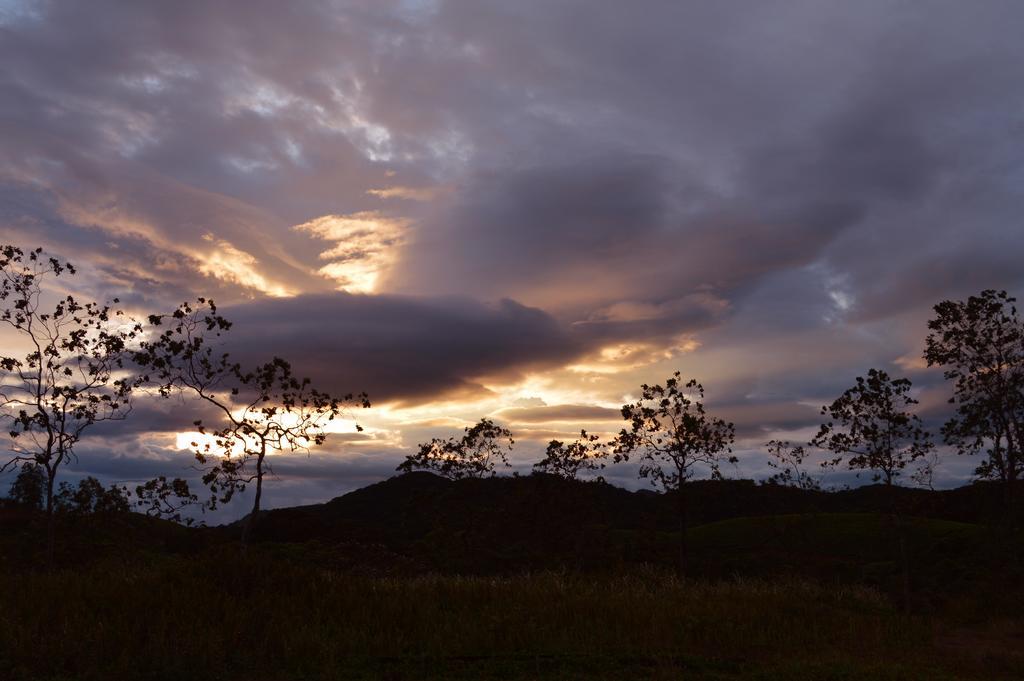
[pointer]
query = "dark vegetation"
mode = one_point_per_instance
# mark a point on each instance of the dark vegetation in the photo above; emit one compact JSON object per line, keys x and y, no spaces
{"x":527,"y":577}
{"x":452,"y":571}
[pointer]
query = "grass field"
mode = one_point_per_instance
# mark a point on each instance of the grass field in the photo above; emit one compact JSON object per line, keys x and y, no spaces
{"x":261,"y":618}
{"x":810,"y":596}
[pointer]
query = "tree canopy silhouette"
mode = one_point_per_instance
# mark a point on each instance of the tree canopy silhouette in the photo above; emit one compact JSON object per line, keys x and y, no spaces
{"x":788,"y":460}
{"x":90,"y":496}
{"x":72,"y":375}
{"x":870,"y":425}
{"x":29,"y":487}
{"x":263,"y":411}
{"x":673,"y":436}
{"x":474,"y":455}
{"x":979,"y":343}
{"x":163,"y":498}
{"x":586,"y":453}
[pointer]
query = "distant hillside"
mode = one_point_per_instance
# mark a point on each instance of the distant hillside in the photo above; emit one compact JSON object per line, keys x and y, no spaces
{"x":420,"y":522}
{"x":407,"y":507}
{"x":542,"y":521}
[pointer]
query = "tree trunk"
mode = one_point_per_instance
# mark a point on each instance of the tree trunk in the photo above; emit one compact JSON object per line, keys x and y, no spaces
{"x":251,"y":520}
{"x":896,"y":521}
{"x":51,"y":529}
{"x":683,"y":510}
{"x":1010,"y":506}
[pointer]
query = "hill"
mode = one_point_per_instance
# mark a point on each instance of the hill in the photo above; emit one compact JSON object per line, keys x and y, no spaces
{"x":420,"y":522}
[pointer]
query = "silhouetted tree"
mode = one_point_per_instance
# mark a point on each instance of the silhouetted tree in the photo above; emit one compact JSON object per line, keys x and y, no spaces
{"x":163,"y":498}
{"x":474,"y":455}
{"x":29,"y":487}
{"x":673,"y":436}
{"x":924,"y":475}
{"x":568,"y":460}
{"x":89,"y":497}
{"x":263,"y":411}
{"x":980,"y":345}
{"x":71,"y":376}
{"x":870,"y":426}
{"x":788,"y":460}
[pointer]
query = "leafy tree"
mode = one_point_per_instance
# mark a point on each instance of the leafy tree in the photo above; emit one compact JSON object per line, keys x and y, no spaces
{"x":980,"y":345}
{"x":163,"y":498}
{"x":474,"y":455}
{"x":870,"y":426}
{"x":29,"y":487}
{"x":71,"y":375}
{"x":91,"y":497}
{"x":924,"y":475}
{"x":281,"y":413}
{"x":673,"y":436}
{"x":789,"y":460}
{"x":262,"y":411}
{"x":568,"y":460}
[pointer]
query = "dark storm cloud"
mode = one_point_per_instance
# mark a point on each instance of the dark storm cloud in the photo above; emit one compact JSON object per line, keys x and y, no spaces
{"x":397,"y":347}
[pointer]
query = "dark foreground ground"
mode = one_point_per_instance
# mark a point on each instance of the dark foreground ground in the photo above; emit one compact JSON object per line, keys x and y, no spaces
{"x":360,"y":588}
{"x":219,"y":617}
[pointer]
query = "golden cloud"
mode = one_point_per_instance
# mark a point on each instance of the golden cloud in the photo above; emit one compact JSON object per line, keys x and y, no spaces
{"x":565,"y":413}
{"x":620,"y":357}
{"x":407,"y":193}
{"x":228,"y":263}
{"x":365,"y":246}
{"x":220,"y":260}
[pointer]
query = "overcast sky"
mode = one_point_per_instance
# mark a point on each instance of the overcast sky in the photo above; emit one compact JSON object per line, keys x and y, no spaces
{"x":524,"y":209}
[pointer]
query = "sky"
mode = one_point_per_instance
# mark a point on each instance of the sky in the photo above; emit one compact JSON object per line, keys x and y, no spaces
{"x":521,"y":210}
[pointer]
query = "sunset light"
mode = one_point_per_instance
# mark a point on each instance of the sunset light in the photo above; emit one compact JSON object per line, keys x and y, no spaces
{"x":519,"y":339}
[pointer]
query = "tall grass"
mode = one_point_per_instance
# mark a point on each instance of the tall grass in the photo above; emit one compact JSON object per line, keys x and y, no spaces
{"x":220,"y":617}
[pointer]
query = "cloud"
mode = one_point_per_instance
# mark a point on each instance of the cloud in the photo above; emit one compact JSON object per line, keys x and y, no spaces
{"x":224,"y":261}
{"x":759,"y":420}
{"x":399,"y":348}
{"x":364,"y":247}
{"x":579,"y":413}
{"x":405,"y":193}
{"x":768,"y":196}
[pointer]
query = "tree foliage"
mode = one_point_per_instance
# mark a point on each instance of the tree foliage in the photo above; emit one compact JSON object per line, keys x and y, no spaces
{"x":788,"y":461}
{"x":673,"y":435}
{"x":979,"y":343}
{"x":585,"y":454}
{"x":870,"y":425}
{"x":90,"y":497}
{"x":474,"y":455}
{"x":262,"y":411}
{"x":927,"y":468}
{"x":71,"y":375}
{"x":29,"y":487}
{"x":163,"y":498}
